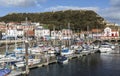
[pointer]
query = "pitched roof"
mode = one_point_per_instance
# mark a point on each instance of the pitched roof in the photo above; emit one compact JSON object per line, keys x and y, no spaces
{"x":96,"y":30}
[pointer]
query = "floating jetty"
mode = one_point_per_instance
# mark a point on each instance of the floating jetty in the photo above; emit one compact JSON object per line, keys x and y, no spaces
{"x":3,"y":42}
{"x":16,"y":73}
{"x":49,"y":61}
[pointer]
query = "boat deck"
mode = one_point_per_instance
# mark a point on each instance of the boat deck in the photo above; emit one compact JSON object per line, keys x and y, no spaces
{"x":16,"y":73}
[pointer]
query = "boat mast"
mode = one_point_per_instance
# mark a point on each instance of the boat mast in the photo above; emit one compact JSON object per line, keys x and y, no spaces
{"x":26,"y":56}
{"x":61,"y":38}
{"x":69,"y":35}
{"x":15,"y":37}
{"x":26,"y":51}
{"x":97,"y":32}
{"x":27,"y":31}
{"x":6,"y":39}
{"x":87,"y":33}
{"x":54,"y":36}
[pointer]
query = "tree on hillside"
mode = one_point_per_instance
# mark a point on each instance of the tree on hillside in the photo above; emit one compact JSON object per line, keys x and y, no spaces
{"x":78,"y":19}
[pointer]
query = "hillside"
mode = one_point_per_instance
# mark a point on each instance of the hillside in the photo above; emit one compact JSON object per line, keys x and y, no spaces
{"x":78,"y":19}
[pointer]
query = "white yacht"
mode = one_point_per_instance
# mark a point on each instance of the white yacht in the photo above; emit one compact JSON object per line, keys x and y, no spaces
{"x":66,"y":51}
{"x":105,"y":48}
{"x":30,"y":62}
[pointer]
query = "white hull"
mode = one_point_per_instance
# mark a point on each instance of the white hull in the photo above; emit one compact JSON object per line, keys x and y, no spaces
{"x":1,"y":56}
{"x":62,"y":59}
{"x":67,"y":53}
{"x":30,"y":62}
{"x":105,"y":50}
{"x":63,"y":62}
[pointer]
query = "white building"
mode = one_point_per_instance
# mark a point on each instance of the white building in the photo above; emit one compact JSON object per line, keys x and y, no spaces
{"x":67,"y":34}
{"x":11,"y":32}
{"x":41,"y":32}
{"x":46,"y":32}
{"x":20,"y":33}
{"x":38,"y":32}
{"x":110,"y":33}
{"x":56,"y":34}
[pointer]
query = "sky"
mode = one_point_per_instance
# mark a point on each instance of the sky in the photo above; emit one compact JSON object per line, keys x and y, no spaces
{"x":108,"y":9}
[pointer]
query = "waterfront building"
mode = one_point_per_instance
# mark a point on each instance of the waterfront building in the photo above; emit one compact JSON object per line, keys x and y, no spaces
{"x":30,"y":34}
{"x":96,"y":33}
{"x":11,"y":31}
{"x":20,"y":33}
{"x":56,"y":34}
{"x":46,"y":33}
{"x":86,"y":35}
{"x":40,"y":32}
{"x":67,"y":34}
{"x":109,"y":33}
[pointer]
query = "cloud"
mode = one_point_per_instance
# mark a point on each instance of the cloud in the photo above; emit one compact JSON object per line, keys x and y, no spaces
{"x":115,"y":3}
{"x":112,"y":13}
{"x":20,"y":3}
{"x":57,"y":8}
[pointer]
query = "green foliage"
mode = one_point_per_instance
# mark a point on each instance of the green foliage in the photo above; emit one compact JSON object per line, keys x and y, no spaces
{"x":78,"y":19}
{"x":45,"y":26}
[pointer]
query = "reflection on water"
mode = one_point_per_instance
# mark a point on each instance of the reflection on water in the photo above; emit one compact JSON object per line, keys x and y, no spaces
{"x":92,"y":65}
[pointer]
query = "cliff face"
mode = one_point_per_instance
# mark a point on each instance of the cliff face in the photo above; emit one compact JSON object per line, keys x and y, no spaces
{"x":78,"y":19}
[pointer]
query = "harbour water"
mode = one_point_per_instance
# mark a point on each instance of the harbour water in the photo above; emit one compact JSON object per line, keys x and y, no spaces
{"x":91,"y":65}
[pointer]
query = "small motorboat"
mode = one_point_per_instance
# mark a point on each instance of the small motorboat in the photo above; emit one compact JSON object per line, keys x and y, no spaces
{"x":30,"y":62}
{"x":5,"y":72}
{"x":66,"y":51}
{"x":62,"y":59}
{"x":105,"y":48}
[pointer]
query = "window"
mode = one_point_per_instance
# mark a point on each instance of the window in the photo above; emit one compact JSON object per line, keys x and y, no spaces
{"x":112,"y":34}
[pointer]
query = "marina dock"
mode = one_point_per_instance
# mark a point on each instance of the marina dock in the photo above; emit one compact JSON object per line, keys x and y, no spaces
{"x":49,"y":61}
{"x":3,"y":42}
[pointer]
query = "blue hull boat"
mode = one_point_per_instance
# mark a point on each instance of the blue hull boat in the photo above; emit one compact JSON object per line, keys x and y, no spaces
{"x":4,"y":72}
{"x":62,"y":59}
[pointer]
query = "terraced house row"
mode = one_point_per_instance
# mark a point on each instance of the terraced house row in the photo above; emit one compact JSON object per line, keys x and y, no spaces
{"x":35,"y":30}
